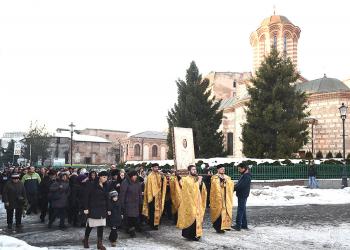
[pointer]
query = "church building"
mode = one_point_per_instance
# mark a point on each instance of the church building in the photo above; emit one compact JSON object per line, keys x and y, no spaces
{"x":324,"y":95}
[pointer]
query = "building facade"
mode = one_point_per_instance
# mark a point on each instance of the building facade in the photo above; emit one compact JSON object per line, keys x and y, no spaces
{"x":145,"y":146}
{"x":87,"y":149}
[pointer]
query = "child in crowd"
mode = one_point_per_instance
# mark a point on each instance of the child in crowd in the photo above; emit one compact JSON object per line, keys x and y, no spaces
{"x":115,"y":219}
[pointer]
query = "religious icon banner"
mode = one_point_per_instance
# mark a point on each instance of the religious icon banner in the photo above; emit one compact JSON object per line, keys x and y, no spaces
{"x":183,"y":148}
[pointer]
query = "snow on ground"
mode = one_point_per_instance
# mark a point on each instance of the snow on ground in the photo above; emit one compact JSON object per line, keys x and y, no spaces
{"x":261,"y":237}
{"x":10,"y":243}
{"x":219,"y":160}
{"x":297,"y":195}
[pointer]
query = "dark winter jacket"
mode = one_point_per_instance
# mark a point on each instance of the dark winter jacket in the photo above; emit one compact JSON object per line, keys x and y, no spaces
{"x":130,"y":197}
{"x":81,"y":193}
{"x":96,"y":200}
{"x":115,"y":219}
{"x":58,"y":194}
{"x":44,"y":187}
{"x":242,"y":187}
{"x":312,"y":171}
{"x":119,"y":181}
{"x":74,"y":191}
{"x":31,"y":183}
{"x":3,"y":179}
{"x":14,"y":194}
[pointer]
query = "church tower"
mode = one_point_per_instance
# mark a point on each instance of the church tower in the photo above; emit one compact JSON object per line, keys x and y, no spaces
{"x":278,"y":32}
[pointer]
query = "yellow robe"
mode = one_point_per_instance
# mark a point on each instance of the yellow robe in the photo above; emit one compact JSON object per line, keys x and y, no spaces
{"x":175,"y":193}
{"x":221,"y":204}
{"x":193,"y":204}
{"x":154,"y":189}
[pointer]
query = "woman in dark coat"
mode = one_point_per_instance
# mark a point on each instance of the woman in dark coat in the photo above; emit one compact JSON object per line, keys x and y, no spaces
{"x":58,"y":196}
{"x":96,"y":207}
{"x":131,"y":199}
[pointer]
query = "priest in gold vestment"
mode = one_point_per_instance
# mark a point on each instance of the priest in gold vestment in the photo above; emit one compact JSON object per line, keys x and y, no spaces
{"x":221,"y":200}
{"x":154,"y":197}
{"x":175,"y":195}
{"x":192,"y":206}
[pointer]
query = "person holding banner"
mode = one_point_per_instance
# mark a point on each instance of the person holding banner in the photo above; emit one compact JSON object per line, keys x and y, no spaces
{"x":221,"y":196}
{"x":154,"y":197}
{"x":192,"y":207}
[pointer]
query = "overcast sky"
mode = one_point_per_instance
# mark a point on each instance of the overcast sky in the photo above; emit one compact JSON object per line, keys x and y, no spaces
{"x":113,"y":64}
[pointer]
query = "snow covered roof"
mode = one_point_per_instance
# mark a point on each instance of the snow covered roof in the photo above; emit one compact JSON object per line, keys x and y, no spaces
{"x":80,"y":137}
{"x":151,"y":135}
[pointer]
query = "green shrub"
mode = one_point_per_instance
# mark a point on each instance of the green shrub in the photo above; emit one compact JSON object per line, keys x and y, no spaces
{"x":319,"y":155}
{"x":332,"y":162}
{"x":309,"y":155}
{"x":287,"y":162}
{"x":338,"y":155}
{"x":329,"y":155}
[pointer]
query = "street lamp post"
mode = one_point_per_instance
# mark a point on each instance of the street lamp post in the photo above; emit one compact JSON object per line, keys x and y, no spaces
{"x":343,"y":109}
{"x":71,"y":142}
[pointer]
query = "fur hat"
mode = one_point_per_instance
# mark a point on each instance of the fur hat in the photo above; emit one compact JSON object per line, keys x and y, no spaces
{"x":15,"y":175}
{"x":114,"y":172}
{"x":219,"y":166}
{"x":102,"y":173}
{"x":243,"y":165}
{"x":132,"y":173}
{"x":113,"y":194}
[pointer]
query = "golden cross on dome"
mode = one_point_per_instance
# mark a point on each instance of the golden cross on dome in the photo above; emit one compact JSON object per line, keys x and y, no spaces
{"x":274,"y":9}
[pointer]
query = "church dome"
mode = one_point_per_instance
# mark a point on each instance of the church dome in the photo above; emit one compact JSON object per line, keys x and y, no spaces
{"x":275,"y":19}
{"x":323,"y":85}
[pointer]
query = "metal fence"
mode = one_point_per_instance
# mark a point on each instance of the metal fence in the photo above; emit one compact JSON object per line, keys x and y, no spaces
{"x":267,"y":172}
{"x":298,"y":171}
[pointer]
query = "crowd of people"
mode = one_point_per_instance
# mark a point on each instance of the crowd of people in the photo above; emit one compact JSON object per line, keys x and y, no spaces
{"x":125,"y":199}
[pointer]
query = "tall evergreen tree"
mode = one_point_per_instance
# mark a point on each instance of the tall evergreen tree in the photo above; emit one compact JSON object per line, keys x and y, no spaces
{"x":195,"y":109}
{"x":275,"y":126}
{"x":37,"y":142}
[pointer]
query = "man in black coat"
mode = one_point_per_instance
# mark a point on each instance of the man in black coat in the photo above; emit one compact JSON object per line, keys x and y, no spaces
{"x":14,"y":198}
{"x":44,"y":186}
{"x":242,"y":188}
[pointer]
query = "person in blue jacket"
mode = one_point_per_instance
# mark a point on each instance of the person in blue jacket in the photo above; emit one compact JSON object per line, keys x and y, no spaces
{"x":242,"y":188}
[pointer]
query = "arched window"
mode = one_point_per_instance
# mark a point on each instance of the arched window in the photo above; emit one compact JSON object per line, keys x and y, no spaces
{"x":137,"y":150}
{"x":285,"y":44}
{"x":275,"y":41}
{"x":154,"y":151}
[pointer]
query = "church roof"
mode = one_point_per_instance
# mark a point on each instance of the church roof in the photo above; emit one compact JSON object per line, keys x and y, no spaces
{"x":322,"y":85}
{"x":229,"y":102}
{"x":151,"y":135}
{"x":80,"y":138}
{"x":275,"y":19}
